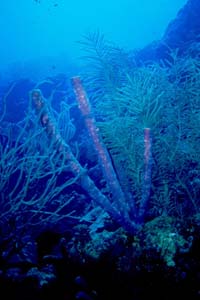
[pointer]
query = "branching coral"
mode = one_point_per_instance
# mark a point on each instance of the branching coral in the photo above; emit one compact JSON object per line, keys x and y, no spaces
{"x":163,"y":97}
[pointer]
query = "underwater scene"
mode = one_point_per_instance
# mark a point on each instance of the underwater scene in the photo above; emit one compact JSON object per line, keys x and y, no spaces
{"x":99,"y":150}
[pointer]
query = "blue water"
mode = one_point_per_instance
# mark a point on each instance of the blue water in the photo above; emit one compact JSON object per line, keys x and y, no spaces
{"x":41,"y":36}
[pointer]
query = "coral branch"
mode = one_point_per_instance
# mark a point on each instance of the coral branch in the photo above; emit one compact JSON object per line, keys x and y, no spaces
{"x":72,"y":164}
{"x":103,"y":155}
{"x":146,"y":188}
